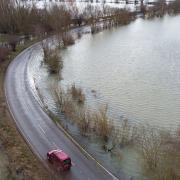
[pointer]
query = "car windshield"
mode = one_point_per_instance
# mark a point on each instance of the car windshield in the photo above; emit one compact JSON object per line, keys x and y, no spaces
{"x":67,"y":161}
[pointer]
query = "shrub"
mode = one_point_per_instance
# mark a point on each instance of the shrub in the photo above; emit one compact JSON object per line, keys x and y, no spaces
{"x":126,"y":134}
{"x":67,"y":39}
{"x":52,"y":59}
{"x":77,"y":94}
{"x":160,"y":151}
{"x":84,"y":120}
{"x":102,"y":124}
{"x":65,"y":102}
{"x":150,"y":147}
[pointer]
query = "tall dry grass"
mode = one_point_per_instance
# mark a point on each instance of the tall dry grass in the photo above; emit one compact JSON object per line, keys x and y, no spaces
{"x":52,"y":58}
{"x":103,"y":125}
{"x":160,"y":152}
{"x":77,"y":94}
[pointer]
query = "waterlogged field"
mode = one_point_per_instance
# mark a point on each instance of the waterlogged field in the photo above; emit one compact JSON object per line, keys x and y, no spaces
{"x":133,"y":69}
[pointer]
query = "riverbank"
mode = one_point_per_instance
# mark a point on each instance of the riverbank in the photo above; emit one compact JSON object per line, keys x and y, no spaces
{"x":19,"y":161}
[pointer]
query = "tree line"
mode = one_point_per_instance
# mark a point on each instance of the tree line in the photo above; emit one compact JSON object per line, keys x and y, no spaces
{"x":22,"y":21}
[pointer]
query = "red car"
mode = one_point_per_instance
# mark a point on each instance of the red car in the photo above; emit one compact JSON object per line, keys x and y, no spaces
{"x":59,"y":159}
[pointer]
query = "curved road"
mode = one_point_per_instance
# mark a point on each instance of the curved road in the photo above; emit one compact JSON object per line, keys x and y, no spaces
{"x":38,"y":129}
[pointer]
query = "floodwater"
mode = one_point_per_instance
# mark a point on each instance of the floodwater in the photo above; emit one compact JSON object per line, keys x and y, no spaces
{"x":135,"y":69}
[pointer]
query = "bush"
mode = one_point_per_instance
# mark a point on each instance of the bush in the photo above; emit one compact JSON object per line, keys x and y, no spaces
{"x":102,"y":124}
{"x":160,"y":152}
{"x":84,"y":121}
{"x":67,"y":39}
{"x":126,"y":134}
{"x":77,"y":94}
{"x":65,"y":102}
{"x":52,"y":59}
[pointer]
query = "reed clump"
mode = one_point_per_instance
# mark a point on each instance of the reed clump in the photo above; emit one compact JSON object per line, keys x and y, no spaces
{"x":52,"y":58}
{"x":77,"y":94}
{"x":71,"y":103}
{"x":103,"y":125}
{"x":160,"y":152}
{"x":67,"y":39}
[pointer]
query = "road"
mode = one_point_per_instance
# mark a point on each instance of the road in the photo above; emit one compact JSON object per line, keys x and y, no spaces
{"x":38,"y":129}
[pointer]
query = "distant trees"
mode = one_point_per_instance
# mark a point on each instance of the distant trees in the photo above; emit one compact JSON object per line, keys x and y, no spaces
{"x":60,"y":18}
{"x":18,"y":18}
{"x":27,"y":20}
{"x":175,"y":7}
{"x":160,"y":8}
{"x":7,"y":14}
{"x":106,"y":17}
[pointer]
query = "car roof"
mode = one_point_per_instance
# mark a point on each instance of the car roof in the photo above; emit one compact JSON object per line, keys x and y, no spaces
{"x":60,"y":154}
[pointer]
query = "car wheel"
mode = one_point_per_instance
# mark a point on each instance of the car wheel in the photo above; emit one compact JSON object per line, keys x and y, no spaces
{"x":49,"y":158}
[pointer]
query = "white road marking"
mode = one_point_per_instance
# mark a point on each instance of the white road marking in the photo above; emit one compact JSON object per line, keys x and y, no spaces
{"x":42,"y":129}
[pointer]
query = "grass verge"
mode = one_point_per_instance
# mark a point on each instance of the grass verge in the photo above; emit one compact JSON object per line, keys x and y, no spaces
{"x":21,"y":162}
